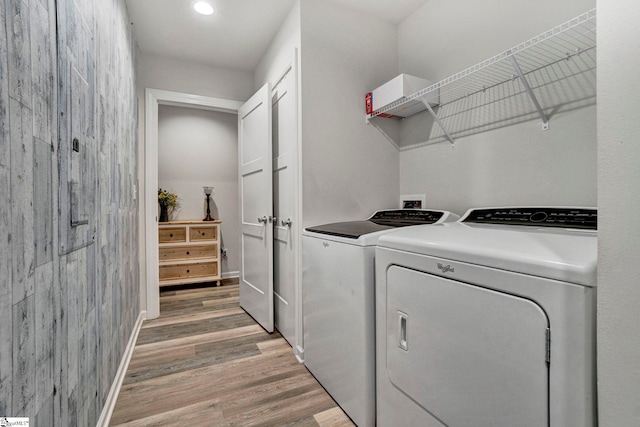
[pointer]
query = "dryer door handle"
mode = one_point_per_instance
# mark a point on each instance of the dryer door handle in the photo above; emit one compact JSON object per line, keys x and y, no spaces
{"x":403,"y":343}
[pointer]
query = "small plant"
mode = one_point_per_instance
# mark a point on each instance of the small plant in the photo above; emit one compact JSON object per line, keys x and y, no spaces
{"x":167,"y":199}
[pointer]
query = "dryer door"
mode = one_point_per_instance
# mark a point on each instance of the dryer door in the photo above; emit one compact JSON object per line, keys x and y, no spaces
{"x":468,"y":355}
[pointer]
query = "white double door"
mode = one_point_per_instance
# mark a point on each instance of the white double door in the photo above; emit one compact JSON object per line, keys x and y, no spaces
{"x":267,"y":132}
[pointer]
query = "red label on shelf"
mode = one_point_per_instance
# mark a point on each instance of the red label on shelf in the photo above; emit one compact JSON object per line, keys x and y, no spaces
{"x":369,"y":103}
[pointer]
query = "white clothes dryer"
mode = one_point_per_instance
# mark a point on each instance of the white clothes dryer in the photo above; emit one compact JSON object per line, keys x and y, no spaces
{"x":488,"y":321}
{"x":338,"y":307}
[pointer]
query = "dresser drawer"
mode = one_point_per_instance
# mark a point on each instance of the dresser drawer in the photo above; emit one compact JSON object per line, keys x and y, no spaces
{"x":172,"y":235}
{"x":203,"y":233}
{"x":171,"y":253}
{"x":186,"y":271}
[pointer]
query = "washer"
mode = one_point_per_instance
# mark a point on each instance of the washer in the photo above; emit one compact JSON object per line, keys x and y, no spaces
{"x":489,"y":321}
{"x":338,"y":304}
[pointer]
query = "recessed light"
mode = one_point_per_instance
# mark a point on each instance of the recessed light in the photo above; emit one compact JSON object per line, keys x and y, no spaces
{"x":203,"y":8}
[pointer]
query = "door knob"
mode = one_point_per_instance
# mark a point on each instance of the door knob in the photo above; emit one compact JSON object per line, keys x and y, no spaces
{"x":262,"y":219}
{"x":286,"y":222}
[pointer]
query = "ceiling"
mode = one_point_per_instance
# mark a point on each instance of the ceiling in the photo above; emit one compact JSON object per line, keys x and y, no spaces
{"x":240,"y":31}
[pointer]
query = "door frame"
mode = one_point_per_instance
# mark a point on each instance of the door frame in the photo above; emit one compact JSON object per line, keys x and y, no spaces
{"x":154,"y":98}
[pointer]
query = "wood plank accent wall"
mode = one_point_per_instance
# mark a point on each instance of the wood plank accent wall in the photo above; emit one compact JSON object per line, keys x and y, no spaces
{"x":69,"y":273}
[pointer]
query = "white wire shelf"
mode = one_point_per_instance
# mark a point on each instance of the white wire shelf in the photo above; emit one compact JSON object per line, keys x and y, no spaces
{"x":521,"y":64}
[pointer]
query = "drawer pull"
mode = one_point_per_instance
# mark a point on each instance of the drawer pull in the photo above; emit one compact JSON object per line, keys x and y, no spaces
{"x":187,"y":252}
{"x":187,"y":271}
{"x":171,"y":235}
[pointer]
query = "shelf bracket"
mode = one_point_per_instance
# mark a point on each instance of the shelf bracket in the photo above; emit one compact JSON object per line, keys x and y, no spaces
{"x":373,"y":122}
{"x":516,"y":66}
{"x":435,"y":116}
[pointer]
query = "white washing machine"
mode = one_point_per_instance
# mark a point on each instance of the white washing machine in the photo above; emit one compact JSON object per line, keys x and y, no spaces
{"x":338,"y":304}
{"x":488,"y":321}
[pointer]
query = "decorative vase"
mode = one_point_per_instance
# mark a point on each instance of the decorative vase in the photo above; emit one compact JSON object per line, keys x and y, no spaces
{"x":164,"y":213}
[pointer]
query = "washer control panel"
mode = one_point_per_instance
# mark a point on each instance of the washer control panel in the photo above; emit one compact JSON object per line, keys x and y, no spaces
{"x":404,"y":217}
{"x":582,"y":218}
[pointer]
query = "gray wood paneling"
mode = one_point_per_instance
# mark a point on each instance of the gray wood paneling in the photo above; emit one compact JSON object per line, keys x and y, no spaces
{"x":22,"y":232}
{"x":61,"y":404}
{"x":66,"y":310}
{"x":45,"y":328}
{"x":6,"y":290}
{"x":24,"y":360}
{"x":42,"y":70}
{"x":17,"y":27}
{"x":43,"y":201}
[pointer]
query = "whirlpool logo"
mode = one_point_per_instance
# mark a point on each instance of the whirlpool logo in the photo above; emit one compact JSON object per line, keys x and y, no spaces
{"x":445,"y":268}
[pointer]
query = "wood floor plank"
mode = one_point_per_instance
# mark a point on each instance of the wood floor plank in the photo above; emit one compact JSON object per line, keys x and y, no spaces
{"x":205,"y":362}
{"x":230,"y":403}
{"x":203,"y":414}
{"x":182,"y":308}
{"x":197,"y":385}
{"x":159,"y":363}
{"x":274,"y":345}
{"x":191,"y":317}
{"x":172,"y":344}
{"x":213,"y":302}
{"x":287,"y":408}
{"x":333,"y":417}
{"x":202,"y":327}
{"x":216,"y":293}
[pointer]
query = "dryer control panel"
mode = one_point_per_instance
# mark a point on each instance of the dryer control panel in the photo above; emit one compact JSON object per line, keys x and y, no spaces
{"x":564,"y":217}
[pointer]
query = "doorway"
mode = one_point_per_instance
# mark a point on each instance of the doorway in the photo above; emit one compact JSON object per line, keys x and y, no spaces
{"x":287,"y":203}
{"x":196,"y":149}
{"x":154,"y":98}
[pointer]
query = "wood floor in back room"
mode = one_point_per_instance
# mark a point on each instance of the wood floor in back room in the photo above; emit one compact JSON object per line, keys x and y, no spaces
{"x":205,"y":362}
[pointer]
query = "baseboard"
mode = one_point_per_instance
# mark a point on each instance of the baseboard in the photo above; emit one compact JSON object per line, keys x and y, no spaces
{"x":299,"y":352}
{"x":230,"y":275}
{"x":110,"y":403}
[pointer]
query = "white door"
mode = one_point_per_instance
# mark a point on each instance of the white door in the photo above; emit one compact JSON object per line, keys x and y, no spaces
{"x":256,"y":207}
{"x":284,"y":202}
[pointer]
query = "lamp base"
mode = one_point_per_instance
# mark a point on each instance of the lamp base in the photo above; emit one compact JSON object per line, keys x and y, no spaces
{"x":208,"y":217}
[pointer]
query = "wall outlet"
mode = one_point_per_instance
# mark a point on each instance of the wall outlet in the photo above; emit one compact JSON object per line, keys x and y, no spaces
{"x":223,"y":253}
{"x":412,"y":201}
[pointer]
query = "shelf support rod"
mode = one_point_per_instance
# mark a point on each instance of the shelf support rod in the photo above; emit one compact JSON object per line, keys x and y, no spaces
{"x":435,"y":116}
{"x":523,"y":79}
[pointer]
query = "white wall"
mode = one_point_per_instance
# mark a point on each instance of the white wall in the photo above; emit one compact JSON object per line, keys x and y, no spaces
{"x":339,"y":63}
{"x":197,"y":148}
{"x":516,"y":164}
{"x":444,"y":37}
{"x":349,"y":169}
{"x":280,"y":50}
{"x":179,"y":76}
{"x":619,"y":200}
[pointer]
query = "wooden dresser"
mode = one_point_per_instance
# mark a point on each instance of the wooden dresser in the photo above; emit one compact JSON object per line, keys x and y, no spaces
{"x":189,"y":252}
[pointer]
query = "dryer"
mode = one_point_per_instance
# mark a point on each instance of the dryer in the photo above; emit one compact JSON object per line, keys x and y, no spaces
{"x":338,"y":304}
{"x":488,"y":321}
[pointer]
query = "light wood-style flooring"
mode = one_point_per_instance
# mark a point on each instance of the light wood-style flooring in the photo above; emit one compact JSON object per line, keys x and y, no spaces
{"x":205,"y":362}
